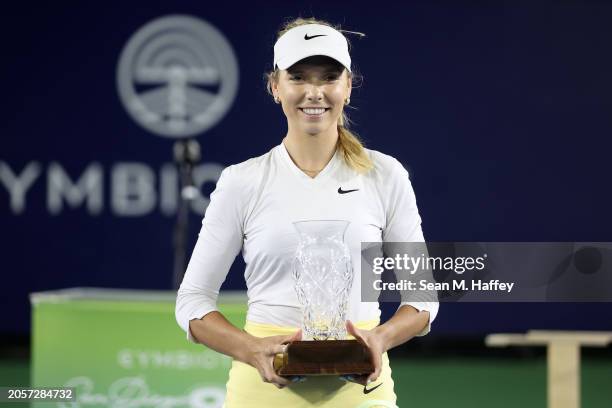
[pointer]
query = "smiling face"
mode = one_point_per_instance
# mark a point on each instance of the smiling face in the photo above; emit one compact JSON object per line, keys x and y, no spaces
{"x":312,"y":93}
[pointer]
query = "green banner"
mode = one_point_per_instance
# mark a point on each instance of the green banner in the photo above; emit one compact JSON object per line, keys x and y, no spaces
{"x":123,"y":348}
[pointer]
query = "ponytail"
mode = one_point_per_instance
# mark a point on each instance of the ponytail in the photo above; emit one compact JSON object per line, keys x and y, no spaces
{"x":352,"y":149}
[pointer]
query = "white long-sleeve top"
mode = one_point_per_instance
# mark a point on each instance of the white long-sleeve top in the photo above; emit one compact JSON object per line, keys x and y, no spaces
{"x":253,"y":208}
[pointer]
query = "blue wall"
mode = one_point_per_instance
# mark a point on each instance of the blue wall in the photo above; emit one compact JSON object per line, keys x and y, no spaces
{"x":501,"y":113}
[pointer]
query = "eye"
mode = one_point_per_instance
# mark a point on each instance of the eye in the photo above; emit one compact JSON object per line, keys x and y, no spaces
{"x":295,"y":77}
{"x":332,"y":77}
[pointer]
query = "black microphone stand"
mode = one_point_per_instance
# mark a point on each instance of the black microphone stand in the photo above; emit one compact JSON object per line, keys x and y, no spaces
{"x":186,"y":156}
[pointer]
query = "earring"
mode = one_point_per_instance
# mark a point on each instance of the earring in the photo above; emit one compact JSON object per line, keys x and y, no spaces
{"x":276,"y":100}
{"x":347,"y":101}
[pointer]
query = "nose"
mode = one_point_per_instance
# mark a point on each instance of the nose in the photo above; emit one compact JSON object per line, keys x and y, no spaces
{"x":314,"y":93}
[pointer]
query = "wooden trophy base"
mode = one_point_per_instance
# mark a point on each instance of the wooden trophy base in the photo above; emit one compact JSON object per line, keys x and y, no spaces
{"x":324,"y":357}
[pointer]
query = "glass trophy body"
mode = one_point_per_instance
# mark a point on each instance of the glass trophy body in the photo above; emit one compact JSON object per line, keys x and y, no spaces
{"x":323,"y":276}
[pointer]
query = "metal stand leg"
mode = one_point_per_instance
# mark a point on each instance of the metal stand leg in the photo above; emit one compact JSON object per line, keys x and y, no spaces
{"x":186,"y":155}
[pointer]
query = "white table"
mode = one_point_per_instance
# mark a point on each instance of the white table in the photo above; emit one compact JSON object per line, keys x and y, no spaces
{"x":563,"y":359}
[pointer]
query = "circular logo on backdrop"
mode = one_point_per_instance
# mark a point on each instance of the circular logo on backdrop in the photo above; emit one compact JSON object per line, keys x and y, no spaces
{"x":177,"y":76}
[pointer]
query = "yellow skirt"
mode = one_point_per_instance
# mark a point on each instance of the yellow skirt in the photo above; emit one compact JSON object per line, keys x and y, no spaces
{"x":245,"y":388}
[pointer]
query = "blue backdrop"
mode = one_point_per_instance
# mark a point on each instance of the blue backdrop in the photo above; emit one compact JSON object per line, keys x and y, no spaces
{"x":502,"y":114}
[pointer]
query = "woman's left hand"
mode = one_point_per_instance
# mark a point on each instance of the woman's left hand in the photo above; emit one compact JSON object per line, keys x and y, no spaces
{"x":375,"y":343}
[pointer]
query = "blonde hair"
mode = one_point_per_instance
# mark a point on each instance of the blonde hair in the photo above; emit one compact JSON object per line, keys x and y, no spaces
{"x":349,"y":144}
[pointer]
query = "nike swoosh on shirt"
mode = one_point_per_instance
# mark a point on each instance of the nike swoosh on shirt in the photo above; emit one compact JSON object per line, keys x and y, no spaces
{"x":366,"y":391}
{"x":306,"y":37}
{"x":341,"y":191}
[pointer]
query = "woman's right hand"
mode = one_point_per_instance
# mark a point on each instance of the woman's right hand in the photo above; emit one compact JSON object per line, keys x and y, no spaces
{"x":261,"y":352}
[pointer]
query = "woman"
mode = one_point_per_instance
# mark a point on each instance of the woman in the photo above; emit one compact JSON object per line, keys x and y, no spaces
{"x":319,"y":171}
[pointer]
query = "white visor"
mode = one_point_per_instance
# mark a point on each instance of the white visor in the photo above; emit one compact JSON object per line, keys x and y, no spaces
{"x":310,"y":40}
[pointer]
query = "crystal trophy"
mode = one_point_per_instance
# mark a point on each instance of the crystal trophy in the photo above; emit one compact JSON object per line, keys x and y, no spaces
{"x":323,"y":276}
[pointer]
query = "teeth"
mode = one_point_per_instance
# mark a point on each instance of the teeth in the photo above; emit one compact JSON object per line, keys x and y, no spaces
{"x":313,"y":111}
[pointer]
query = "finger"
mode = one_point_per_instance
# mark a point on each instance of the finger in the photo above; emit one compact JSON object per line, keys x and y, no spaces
{"x":357,"y":333}
{"x":270,"y":376}
{"x":354,"y":331}
{"x":297,"y":336}
{"x":277,"y":349}
{"x":377,"y":362}
{"x":278,"y":380}
{"x":284,"y":339}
